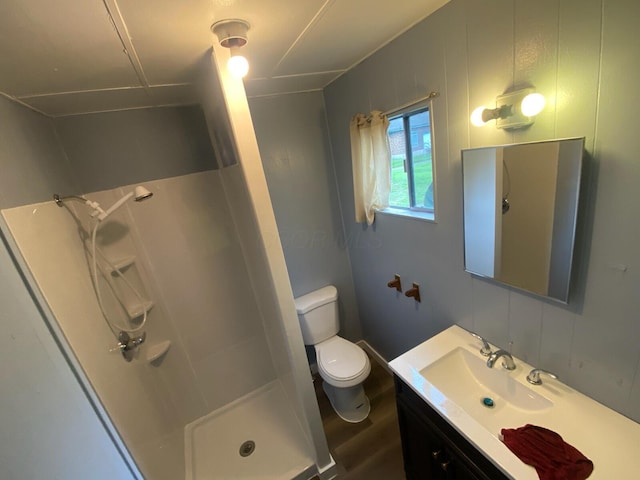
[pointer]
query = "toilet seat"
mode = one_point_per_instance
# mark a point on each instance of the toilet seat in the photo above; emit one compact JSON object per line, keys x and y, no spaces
{"x":342,"y":363}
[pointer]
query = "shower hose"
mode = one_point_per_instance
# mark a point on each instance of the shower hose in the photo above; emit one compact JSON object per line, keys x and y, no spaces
{"x":113,"y":326}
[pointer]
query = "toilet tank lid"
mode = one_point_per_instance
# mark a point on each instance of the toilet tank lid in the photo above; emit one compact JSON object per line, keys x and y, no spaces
{"x":316,"y":299}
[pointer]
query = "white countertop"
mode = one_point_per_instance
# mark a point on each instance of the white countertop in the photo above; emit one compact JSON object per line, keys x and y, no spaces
{"x":610,"y":440}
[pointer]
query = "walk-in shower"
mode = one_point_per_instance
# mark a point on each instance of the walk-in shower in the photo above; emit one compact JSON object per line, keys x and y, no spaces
{"x":206,"y":259}
{"x":231,"y":356}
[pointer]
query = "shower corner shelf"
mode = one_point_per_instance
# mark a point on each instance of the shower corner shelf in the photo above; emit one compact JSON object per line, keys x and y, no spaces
{"x":154,"y":352}
{"x":122,"y":264}
{"x":138,"y":310}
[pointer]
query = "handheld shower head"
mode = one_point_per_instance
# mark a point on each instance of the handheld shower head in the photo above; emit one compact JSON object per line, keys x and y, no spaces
{"x":140,"y":193}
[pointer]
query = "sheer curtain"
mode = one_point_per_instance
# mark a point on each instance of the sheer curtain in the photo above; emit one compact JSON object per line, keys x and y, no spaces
{"x":371,"y":162}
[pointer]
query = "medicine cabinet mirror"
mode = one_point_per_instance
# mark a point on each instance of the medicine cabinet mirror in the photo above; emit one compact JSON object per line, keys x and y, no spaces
{"x":520,"y":208}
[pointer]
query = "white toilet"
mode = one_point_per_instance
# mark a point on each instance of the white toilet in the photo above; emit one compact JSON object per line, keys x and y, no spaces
{"x":342,"y":365}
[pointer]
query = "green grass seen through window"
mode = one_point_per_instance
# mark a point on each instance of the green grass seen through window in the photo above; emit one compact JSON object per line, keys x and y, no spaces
{"x":423,"y":177}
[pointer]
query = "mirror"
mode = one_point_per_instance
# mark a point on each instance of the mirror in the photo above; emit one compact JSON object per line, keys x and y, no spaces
{"x":520,"y":209}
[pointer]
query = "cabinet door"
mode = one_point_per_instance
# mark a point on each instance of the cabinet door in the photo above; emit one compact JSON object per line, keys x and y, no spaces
{"x":432,"y":448}
{"x":423,"y":451}
{"x":461,"y":472}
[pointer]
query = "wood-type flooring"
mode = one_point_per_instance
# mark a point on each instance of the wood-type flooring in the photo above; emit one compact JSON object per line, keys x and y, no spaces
{"x":369,"y":450}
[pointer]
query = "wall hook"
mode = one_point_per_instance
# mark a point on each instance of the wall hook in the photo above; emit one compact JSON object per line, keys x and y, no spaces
{"x":414,"y":292}
{"x":395,"y":283}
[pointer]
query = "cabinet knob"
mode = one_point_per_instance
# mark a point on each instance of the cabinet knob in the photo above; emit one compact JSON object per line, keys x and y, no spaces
{"x":445,"y":465}
{"x":436,"y":454}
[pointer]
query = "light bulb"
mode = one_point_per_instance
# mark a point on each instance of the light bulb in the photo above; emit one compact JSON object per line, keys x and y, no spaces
{"x":476,"y":117}
{"x":532,"y":104}
{"x":238,"y":66}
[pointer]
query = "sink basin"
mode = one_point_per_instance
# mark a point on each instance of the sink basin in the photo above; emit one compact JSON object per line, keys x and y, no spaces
{"x":466,"y":379}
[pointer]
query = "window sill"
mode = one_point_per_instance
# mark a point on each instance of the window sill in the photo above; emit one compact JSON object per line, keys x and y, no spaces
{"x":412,"y":214}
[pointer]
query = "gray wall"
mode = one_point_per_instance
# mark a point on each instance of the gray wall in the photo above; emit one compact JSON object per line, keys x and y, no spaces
{"x":32,"y":165}
{"x":40,"y":156}
{"x":294,"y":146}
{"x":584,"y":55}
{"x":108,"y":150}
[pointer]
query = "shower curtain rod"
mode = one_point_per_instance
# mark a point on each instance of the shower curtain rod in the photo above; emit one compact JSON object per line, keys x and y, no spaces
{"x":411,"y":103}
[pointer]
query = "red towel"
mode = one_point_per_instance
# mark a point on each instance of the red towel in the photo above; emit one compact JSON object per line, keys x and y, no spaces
{"x":552,"y":457}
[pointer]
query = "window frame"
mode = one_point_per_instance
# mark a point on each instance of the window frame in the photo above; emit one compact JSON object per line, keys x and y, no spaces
{"x":419,"y":213}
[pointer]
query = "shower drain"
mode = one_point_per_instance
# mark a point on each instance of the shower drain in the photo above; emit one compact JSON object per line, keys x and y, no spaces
{"x":247,"y":448}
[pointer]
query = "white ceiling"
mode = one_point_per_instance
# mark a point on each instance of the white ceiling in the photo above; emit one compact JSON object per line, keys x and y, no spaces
{"x":73,"y":56}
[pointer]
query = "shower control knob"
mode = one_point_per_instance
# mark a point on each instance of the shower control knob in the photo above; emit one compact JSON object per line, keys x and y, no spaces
{"x":118,"y":348}
{"x":127,"y":344}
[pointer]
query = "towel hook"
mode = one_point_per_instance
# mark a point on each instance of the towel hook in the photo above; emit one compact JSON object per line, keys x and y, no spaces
{"x":395,"y":283}
{"x":414,"y":292}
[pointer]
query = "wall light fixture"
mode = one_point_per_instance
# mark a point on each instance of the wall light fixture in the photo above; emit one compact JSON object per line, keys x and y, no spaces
{"x":232,"y":34}
{"x":513,"y":110}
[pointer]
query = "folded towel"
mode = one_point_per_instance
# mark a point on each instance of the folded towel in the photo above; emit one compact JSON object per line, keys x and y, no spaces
{"x":547,"y":452}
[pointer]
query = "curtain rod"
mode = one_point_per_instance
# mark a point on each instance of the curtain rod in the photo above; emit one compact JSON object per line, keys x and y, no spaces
{"x":411,"y":103}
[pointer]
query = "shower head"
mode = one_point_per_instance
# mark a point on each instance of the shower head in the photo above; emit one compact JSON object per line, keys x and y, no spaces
{"x":139,"y":194}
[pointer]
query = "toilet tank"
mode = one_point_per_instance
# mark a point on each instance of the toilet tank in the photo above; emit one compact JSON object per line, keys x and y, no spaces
{"x":318,"y":315}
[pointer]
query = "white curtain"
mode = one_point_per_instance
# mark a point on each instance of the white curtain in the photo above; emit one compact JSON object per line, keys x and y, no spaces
{"x":371,"y":162}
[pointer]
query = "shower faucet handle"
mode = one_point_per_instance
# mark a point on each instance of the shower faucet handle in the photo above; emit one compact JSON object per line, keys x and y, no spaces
{"x":127,"y":344}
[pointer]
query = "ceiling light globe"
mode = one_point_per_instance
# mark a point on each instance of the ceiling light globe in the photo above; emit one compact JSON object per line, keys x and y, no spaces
{"x":238,"y":66}
{"x":476,"y":117}
{"x":532,"y":104}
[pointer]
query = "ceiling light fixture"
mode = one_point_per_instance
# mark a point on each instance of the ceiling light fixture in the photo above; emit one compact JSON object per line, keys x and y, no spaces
{"x":513,"y":110}
{"x":232,"y":34}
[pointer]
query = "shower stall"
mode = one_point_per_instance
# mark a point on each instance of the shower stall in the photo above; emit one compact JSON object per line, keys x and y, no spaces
{"x":217,"y":385}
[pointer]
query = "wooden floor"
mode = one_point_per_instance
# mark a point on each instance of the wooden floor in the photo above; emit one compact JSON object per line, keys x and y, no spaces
{"x":369,"y":450}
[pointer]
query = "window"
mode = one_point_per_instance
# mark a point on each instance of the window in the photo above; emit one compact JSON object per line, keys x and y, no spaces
{"x":411,"y":163}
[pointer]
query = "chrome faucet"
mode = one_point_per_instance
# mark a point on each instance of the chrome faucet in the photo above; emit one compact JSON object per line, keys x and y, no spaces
{"x":534,"y":376}
{"x":507,"y":361}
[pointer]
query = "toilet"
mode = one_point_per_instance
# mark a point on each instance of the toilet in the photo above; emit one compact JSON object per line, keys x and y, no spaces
{"x":342,"y":365}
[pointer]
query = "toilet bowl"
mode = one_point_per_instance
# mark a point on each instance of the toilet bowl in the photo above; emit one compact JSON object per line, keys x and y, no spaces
{"x":342,"y":365}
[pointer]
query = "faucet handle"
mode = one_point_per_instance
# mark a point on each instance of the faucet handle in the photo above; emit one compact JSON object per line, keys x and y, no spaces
{"x":486,"y":348}
{"x":534,"y":376}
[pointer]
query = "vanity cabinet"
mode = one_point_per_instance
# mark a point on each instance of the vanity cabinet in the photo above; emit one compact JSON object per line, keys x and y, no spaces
{"x":432,"y":448}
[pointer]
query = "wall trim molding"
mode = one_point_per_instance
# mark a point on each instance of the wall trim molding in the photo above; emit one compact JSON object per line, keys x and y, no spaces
{"x":373,"y":353}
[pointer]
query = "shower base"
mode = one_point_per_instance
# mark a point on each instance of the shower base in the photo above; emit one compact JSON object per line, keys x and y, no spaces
{"x":218,"y":446}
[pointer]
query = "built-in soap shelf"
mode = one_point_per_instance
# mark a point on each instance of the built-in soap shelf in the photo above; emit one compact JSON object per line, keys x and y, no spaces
{"x":138,"y":310}
{"x":122,"y":265}
{"x":125,"y":268}
{"x":155,"y":352}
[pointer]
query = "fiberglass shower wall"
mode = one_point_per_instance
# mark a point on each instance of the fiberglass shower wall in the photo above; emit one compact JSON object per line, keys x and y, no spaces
{"x":191,"y":265}
{"x":248,"y":196}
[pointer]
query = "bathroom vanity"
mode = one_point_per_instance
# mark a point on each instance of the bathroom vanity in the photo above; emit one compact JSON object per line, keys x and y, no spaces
{"x":452,"y":407}
{"x":432,"y":448}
